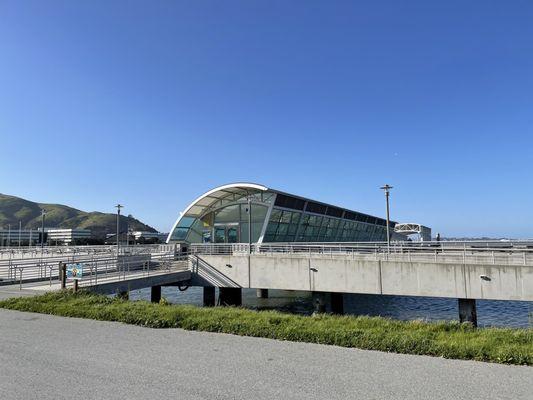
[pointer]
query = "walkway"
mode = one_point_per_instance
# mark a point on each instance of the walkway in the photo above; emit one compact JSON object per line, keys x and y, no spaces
{"x":50,"y":357}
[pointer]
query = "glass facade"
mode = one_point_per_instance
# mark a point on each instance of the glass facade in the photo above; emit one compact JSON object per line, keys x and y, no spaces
{"x":222,"y":216}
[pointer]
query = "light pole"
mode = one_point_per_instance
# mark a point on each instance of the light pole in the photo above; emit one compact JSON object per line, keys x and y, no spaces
{"x":249,"y":225}
{"x":43,"y":213}
{"x":249,"y":201}
{"x":387,"y":189}
{"x":20,"y":231}
{"x":118,"y":206}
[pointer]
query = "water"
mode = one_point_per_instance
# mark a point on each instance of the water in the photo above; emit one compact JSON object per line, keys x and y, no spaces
{"x":490,"y":312}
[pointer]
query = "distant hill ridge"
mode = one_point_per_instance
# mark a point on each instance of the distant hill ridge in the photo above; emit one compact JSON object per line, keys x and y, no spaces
{"x":14,"y":209}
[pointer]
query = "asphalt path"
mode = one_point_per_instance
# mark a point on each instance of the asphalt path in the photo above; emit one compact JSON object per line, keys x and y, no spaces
{"x":47,"y":357}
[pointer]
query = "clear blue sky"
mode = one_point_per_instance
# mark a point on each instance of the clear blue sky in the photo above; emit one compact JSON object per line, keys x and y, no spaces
{"x":152,"y":103}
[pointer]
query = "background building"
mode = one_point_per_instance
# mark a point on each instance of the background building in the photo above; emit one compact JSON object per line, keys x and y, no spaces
{"x":148,"y":237}
{"x":67,"y":236}
{"x":12,"y":237}
{"x":221,"y":216}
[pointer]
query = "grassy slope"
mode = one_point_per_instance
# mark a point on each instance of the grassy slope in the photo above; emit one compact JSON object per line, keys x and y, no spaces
{"x":14,"y":209}
{"x":446,"y":339}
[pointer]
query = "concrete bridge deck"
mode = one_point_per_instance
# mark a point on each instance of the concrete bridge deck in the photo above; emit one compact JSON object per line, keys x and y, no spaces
{"x":344,"y":269}
{"x":465,"y":273}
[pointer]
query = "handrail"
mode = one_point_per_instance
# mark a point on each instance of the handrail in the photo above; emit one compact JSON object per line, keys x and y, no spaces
{"x":40,"y":267}
{"x":428,"y":252}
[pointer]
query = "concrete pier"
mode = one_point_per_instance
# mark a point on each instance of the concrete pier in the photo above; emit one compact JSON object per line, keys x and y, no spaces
{"x":155,"y":295}
{"x":231,"y":296}
{"x":262,"y":293}
{"x":209,"y":296}
{"x":447,"y":277}
{"x":337,"y":303}
{"x":467,"y":311}
{"x":123,"y":294}
{"x":319,"y":302}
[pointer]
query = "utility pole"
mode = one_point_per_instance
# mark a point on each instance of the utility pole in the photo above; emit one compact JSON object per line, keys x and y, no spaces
{"x":118,"y":206}
{"x":387,"y":189}
{"x":43,"y":213}
{"x":20,"y":231}
{"x":9,"y":235}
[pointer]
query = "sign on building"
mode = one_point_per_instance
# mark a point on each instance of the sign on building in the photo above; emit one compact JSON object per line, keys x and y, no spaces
{"x":75,"y":271}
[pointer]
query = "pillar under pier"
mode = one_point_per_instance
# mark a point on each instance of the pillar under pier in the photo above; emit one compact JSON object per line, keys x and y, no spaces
{"x":123,"y":294}
{"x":209,"y":296}
{"x":155,"y":295}
{"x":337,"y":303}
{"x":262,"y":293}
{"x":230,"y":296}
{"x":319,"y":302}
{"x":467,"y":311}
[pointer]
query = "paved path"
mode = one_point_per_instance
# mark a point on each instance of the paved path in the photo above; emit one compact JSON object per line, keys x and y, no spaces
{"x":10,"y":291}
{"x":49,"y":357}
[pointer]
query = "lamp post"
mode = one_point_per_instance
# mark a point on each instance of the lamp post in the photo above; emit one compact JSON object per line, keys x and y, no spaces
{"x":387,"y":189}
{"x":20,"y":231}
{"x":43,"y":213}
{"x":249,"y":199}
{"x":118,"y":206}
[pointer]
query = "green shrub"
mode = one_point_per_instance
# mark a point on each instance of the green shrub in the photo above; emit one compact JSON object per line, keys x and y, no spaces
{"x":442,"y":339}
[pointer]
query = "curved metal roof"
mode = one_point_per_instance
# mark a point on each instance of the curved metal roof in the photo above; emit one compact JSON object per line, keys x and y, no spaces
{"x":208,"y":199}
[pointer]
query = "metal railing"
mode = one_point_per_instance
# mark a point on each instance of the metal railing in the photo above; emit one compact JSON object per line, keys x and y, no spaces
{"x":48,"y":251}
{"x":496,"y":253}
{"x":98,"y":260}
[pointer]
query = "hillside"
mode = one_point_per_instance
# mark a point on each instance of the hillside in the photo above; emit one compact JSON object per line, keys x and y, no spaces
{"x":14,"y":209}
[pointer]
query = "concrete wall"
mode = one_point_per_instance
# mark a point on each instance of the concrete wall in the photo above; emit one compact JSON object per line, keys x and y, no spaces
{"x":321,"y":273}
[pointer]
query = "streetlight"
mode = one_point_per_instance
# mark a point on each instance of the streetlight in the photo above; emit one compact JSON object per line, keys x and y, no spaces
{"x":118,"y":206}
{"x":249,"y":199}
{"x":387,"y":189}
{"x":43,"y":213}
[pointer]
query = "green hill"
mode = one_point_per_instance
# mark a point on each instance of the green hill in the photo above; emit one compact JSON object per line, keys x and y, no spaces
{"x":14,"y":209}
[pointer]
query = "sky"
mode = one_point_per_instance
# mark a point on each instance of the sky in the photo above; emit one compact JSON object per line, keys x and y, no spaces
{"x":152,"y":103}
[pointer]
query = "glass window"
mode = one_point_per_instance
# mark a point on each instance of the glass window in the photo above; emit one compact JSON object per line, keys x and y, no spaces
{"x":292,"y":229}
{"x":316,"y":208}
{"x":286,"y":217}
{"x":272,"y":227}
{"x":186,"y":222}
{"x":228,"y":214}
{"x":275,"y":216}
{"x":180,"y":233}
{"x":282,"y":229}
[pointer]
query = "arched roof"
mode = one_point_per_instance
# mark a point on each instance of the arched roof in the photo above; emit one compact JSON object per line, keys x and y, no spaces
{"x":198,"y":207}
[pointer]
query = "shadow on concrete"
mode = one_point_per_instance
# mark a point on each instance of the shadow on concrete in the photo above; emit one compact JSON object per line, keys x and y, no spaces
{"x":204,"y":274}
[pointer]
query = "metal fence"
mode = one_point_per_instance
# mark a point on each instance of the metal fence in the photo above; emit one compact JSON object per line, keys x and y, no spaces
{"x":99,"y":261}
{"x":496,"y":253}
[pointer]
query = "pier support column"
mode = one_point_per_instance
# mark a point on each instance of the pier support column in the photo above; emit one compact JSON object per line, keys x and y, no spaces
{"x":262,"y":293}
{"x":319,"y":302}
{"x":155,"y":295}
{"x":209,"y":296}
{"x":467,"y":311}
{"x":337,"y":303}
{"x":123,"y":294}
{"x":230,"y":296}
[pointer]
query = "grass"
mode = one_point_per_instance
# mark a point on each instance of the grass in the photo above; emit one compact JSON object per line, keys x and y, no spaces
{"x":443,"y":339}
